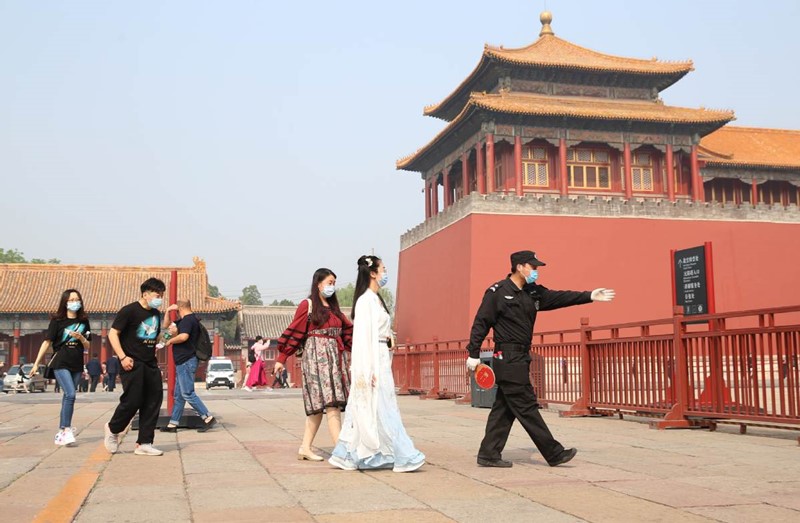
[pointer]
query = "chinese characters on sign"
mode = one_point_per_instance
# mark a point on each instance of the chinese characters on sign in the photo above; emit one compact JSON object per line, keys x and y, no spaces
{"x":691,"y":289}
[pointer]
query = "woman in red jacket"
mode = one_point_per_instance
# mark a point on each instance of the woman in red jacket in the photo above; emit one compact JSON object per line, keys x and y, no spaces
{"x":324,"y":334}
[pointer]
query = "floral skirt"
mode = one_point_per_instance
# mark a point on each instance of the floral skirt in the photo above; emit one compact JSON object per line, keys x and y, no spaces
{"x":326,"y":382}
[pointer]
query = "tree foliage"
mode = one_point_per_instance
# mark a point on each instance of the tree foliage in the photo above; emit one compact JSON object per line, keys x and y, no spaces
{"x":251,"y":296}
{"x":283,"y":303}
{"x":213,"y":291}
{"x":346,"y":295}
{"x":15,"y":256}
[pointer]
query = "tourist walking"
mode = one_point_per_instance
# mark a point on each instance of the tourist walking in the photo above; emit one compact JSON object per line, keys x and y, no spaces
{"x":323,"y":334}
{"x":373,"y":435}
{"x":509,"y":307}
{"x":112,"y":370}
{"x":133,"y":336}
{"x":68,"y":334}
{"x":185,"y":332}
{"x":257,"y":375}
{"x":94,"y":369}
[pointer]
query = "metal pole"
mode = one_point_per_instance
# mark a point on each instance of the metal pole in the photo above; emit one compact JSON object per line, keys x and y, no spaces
{"x":173,"y":299}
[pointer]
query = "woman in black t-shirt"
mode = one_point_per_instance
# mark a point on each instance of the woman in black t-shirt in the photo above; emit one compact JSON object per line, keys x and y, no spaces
{"x":68,"y":335}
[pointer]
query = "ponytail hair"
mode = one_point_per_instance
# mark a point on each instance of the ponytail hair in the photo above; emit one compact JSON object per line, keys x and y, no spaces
{"x":367,"y":265}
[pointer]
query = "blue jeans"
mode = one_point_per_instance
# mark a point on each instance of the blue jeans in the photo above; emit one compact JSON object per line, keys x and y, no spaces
{"x":68,"y":381}
{"x":184,"y":391}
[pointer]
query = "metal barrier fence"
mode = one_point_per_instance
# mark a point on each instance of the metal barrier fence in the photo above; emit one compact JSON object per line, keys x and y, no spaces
{"x":741,"y":365}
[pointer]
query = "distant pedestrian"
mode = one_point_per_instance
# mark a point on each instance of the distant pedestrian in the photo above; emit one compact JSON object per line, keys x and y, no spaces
{"x":323,"y":333}
{"x":133,"y":336}
{"x":68,"y":335}
{"x":112,"y":369}
{"x":94,"y":369}
{"x":256,"y":377}
{"x":185,"y":333}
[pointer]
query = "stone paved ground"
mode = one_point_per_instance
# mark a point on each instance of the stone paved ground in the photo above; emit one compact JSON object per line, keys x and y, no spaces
{"x":246,"y":470}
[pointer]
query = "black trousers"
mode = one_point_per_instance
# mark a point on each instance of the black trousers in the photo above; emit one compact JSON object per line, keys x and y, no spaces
{"x":515,"y":399}
{"x":143,"y":392}
{"x":93,"y":383}
{"x":112,"y":381}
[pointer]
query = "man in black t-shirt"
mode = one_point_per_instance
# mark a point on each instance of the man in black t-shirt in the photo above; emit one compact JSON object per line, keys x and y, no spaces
{"x":185,"y":333}
{"x":133,"y":337}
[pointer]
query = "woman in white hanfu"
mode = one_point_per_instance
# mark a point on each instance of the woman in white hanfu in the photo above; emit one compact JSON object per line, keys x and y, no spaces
{"x":373,"y":436}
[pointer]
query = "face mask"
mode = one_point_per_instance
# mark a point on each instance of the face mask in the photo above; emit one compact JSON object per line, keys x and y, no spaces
{"x":384,"y":280}
{"x":328,"y":290}
{"x":532,"y":277}
{"x":155,"y":303}
{"x":74,"y":306}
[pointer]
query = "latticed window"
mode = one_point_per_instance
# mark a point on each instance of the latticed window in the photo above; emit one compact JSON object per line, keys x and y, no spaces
{"x":642,"y":172}
{"x":499,"y":182}
{"x":535,"y":167}
{"x":589,"y":169}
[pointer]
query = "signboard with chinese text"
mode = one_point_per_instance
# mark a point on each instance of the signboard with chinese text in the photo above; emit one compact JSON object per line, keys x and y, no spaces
{"x":691,"y":280}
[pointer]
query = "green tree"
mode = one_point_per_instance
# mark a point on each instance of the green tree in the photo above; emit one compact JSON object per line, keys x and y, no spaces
{"x":15,"y":256}
{"x":346,"y":295}
{"x":213,"y":291}
{"x":227,"y":328}
{"x":251,"y":296}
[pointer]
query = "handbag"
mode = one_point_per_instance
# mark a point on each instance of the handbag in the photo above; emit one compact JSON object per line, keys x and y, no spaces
{"x":49,"y":371}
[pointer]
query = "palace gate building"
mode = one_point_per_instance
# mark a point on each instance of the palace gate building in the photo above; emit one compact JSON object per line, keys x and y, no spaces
{"x":572,"y":153}
{"x":29,"y":294}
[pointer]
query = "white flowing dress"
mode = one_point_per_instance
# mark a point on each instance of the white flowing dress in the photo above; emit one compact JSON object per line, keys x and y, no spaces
{"x":373,"y":435}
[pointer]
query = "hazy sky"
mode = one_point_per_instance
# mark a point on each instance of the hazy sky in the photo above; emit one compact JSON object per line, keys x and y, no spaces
{"x":262,"y":136}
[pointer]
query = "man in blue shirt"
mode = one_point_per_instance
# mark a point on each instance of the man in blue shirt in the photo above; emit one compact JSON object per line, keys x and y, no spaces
{"x":94,"y":369}
{"x":185,"y":333}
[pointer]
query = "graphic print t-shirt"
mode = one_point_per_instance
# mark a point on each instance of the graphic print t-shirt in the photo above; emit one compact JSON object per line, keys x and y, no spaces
{"x":68,"y":350}
{"x":138,"y":331}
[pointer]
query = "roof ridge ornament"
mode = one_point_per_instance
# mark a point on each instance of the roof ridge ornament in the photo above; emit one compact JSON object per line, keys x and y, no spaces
{"x":545,"y":18}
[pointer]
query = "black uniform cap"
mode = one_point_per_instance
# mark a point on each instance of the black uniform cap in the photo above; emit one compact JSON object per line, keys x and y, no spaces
{"x":523,"y":257}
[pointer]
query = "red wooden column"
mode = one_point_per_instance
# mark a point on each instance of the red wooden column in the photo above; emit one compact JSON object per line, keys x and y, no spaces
{"x":697,"y":182}
{"x":518,"y":164}
{"x":173,"y":298}
{"x":669,"y":157}
{"x":447,"y":200}
{"x":15,"y":345}
{"x":427,"y":199}
{"x":465,"y":185}
{"x":754,"y":193}
{"x":435,"y":195}
{"x":490,"y":163}
{"x":103,"y":343}
{"x":626,"y":153}
{"x":562,"y":166}
{"x":480,"y":171}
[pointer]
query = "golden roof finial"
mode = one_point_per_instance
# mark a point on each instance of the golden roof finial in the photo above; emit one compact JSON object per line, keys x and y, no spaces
{"x":546,"y":17}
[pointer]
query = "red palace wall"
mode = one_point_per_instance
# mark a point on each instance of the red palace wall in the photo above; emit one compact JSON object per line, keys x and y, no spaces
{"x":441,"y":279}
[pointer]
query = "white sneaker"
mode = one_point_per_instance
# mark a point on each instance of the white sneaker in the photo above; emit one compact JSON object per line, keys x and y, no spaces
{"x":69,"y":436}
{"x":342,"y":464}
{"x":59,"y":439}
{"x":146,"y":449}
{"x":111,"y":440}
{"x":248,"y":389}
{"x":411,"y":467}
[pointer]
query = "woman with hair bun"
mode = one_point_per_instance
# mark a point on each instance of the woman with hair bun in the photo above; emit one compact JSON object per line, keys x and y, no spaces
{"x":323,"y":334}
{"x":373,"y":435}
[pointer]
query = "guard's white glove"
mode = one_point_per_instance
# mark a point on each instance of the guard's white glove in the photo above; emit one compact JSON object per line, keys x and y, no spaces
{"x":603,"y":294}
{"x":472,"y":363}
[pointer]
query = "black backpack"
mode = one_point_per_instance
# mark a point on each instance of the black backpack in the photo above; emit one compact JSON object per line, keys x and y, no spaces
{"x":204,"y":349}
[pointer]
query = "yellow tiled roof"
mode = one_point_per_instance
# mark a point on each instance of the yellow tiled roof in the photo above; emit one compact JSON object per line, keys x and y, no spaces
{"x":36,"y":288}
{"x":752,"y":146}
{"x":550,"y":51}
{"x":578,"y":107}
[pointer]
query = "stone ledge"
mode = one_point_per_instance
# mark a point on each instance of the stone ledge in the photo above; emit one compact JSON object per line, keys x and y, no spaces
{"x":596,"y":206}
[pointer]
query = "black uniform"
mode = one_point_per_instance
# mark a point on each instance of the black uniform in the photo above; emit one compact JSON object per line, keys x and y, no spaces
{"x":511,"y":312}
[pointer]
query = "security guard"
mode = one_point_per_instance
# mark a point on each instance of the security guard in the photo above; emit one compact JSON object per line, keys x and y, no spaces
{"x":510,"y":307}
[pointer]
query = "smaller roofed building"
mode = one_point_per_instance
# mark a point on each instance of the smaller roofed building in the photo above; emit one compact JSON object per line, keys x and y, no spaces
{"x":29,"y":294}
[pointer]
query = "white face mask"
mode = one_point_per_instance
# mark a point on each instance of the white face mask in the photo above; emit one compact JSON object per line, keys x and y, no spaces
{"x":328,"y":290}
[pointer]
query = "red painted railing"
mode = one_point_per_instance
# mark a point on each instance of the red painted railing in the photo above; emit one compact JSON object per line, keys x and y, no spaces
{"x":741,"y":365}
